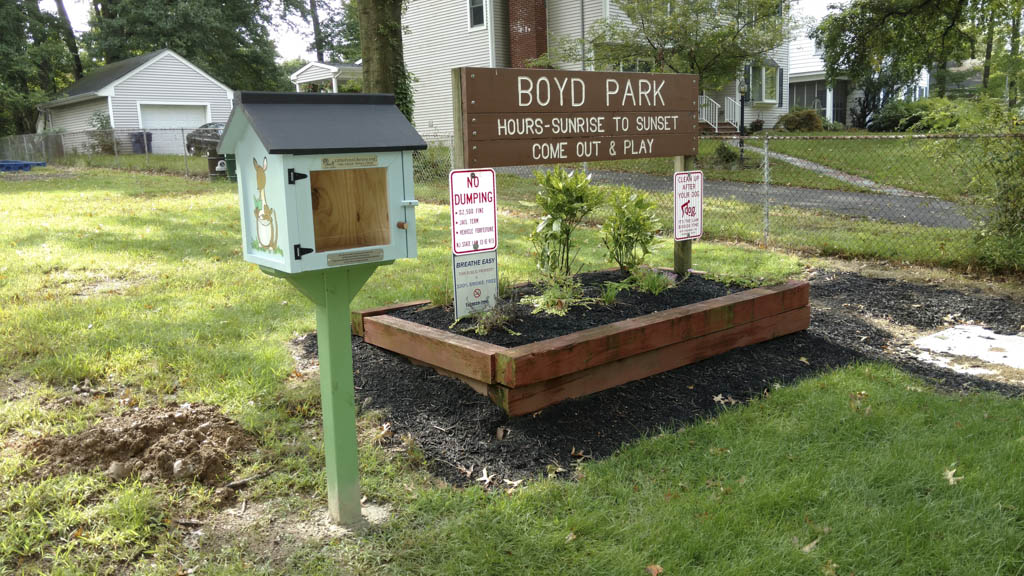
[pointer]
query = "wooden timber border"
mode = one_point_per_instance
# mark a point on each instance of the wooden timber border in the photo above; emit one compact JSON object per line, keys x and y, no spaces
{"x":528,"y":378}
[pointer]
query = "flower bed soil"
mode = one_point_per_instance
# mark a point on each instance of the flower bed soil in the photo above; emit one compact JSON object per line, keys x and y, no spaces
{"x":457,"y":429}
{"x":527,"y":327}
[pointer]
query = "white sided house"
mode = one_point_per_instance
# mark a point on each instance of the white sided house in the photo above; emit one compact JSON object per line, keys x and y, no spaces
{"x":443,"y":34}
{"x":152,"y":92}
{"x":808,"y":87}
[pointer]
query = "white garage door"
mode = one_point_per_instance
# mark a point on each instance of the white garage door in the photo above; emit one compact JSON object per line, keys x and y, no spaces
{"x":167,"y":122}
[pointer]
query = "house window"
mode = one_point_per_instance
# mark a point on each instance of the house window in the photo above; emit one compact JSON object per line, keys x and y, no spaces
{"x":476,"y":13}
{"x":764,"y":84}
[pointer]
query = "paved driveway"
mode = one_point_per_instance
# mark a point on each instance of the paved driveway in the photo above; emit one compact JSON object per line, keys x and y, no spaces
{"x":892,"y":207}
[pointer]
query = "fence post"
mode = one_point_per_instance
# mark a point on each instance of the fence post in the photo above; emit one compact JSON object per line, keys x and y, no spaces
{"x":184,"y":149}
{"x":682,"y":252}
{"x":767,"y":219}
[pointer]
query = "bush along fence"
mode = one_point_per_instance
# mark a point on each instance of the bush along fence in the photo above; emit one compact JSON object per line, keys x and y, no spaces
{"x":947,"y":200}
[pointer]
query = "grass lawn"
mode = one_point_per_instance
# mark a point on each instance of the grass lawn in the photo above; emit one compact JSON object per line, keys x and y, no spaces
{"x":806,"y":481}
{"x":934,"y":167}
{"x":135,"y":282}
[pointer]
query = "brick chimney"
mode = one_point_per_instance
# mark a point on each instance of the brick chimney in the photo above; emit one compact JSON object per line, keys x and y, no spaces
{"x":528,"y":30}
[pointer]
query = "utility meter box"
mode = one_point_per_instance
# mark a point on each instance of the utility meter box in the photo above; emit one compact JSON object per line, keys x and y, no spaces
{"x":324,"y":180}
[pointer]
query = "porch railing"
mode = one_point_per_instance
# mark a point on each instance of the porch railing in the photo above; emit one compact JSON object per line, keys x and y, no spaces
{"x":732,"y":112}
{"x":707,"y":111}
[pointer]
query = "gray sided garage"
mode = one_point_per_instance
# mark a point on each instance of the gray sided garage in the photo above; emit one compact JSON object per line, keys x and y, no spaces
{"x":159,"y":92}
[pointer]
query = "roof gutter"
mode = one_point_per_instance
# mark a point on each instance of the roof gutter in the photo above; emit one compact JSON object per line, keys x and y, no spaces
{"x":70,"y":100}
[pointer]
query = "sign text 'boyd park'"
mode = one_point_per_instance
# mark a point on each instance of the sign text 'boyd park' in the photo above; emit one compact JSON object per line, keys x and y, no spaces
{"x":514,"y":117}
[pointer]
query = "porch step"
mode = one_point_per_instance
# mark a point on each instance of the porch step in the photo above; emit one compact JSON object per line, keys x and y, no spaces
{"x":723,"y":128}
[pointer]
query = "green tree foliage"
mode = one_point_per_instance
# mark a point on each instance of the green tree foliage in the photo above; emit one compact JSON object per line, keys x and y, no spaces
{"x":228,"y":39}
{"x":898,"y":35}
{"x":34,"y":63}
{"x":712,"y":38}
{"x":341,"y":31}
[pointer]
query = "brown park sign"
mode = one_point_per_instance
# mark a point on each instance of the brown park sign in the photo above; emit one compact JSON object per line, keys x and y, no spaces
{"x":519,"y":117}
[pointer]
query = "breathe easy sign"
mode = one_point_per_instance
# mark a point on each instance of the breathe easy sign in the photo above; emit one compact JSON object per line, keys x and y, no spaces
{"x":513,"y":117}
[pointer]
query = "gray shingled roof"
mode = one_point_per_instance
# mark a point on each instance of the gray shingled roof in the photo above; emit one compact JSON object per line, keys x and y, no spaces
{"x":297,"y":123}
{"x":105,"y":75}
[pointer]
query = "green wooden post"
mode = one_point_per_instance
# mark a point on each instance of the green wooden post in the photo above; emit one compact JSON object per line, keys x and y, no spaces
{"x":332,"y":291}
{"x":682,"y":255}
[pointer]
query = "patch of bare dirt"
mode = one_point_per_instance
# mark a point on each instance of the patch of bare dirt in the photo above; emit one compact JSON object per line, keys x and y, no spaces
{"x":177,"y":443}
{"x":37,"y":174}
{"x":274,"y":532}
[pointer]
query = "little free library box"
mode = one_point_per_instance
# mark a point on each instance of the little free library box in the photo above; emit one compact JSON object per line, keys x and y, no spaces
{"x":325,"y":179}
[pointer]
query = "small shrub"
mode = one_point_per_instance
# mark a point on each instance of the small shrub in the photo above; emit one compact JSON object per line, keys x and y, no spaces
{"x":102,"y":138}
{"x":651,"y":281}
{"x":833,"y":126}
{"x":500,"y":317}
{"x":557,"y":297}
{"x":801,"y":121}
{"x":629,"y":231}
{"x":725,"y":155}
{"x":566,"y":199}
{"x":756,"y":126}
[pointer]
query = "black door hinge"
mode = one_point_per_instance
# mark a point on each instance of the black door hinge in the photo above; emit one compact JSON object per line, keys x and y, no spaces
{"x":294,"y":176}
{"x":300,"y":251}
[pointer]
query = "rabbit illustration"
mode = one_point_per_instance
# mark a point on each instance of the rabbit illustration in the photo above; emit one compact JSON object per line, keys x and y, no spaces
{"x":266,"y":217}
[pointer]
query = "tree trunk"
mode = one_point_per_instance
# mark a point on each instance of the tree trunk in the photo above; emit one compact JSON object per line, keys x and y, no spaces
{"x":989,"y":36}
{"x":940,"y":80}
{"x":318,"y":39}
{"x":380,"y":23}
{"x":1014,"y":57}
{"x":69,"y":38}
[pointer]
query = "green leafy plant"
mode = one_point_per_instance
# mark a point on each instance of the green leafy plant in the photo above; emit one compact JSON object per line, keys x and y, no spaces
{"x":102,"y":137}
{"x":630,"y":230}
{"x":612,"y":289}
{"x":566,"y":199}
{"x":725,"y":155}
{"x":756,"y":126}
{"x":559,"y":294}
{"x":649,"y":280}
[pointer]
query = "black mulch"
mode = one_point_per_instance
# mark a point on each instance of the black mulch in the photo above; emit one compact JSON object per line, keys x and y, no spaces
{"x":526,"y":327}
{"x":456,"y":427}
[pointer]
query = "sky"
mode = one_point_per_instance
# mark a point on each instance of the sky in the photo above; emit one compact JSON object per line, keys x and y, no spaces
{"x":290,"y":42}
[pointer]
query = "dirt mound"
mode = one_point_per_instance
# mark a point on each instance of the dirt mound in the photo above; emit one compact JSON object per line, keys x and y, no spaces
{"x":175,"y":443}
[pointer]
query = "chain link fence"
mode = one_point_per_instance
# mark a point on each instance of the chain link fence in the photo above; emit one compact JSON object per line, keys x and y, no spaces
{"x":172,"y":150}
{"x":904,"y":198}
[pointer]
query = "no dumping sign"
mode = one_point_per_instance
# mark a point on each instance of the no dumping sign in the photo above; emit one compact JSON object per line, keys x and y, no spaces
{"x":688,"y":191}
{"x":474,"y":211}
{"x":474,"y":204}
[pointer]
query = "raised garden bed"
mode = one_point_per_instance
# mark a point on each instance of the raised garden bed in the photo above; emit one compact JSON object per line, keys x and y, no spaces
{"x":525,"y":378}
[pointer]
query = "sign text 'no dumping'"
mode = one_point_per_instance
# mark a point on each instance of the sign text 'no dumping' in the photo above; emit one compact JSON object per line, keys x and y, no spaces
{"x":519,"y":117}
